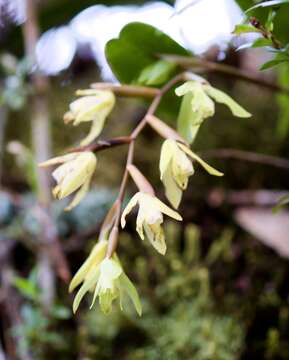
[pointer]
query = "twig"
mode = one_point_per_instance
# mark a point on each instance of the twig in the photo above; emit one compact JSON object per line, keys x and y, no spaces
{"x":128,"y":90}
{"x":248,"y":156}
{"x":103,"y":144}
{"x":267,"y":34}
{"x":188,"y":62}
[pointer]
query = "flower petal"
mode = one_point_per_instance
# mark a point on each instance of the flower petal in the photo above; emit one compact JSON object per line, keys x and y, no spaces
{"x":96,"y":127}
{"x":131,"y":204}
{"x":166,"y":210}
{"x":79,"y":195}
{"x":172,"y":190}
{"x":206,"y":166}
{"x":225,"y":99}
{"x":166,"y":156}
{"x":59,"y":159}
{"x":156,"y":237}
{"x":131,"y":291}
{"x":86,"y":286}
{"x":96,"y":255}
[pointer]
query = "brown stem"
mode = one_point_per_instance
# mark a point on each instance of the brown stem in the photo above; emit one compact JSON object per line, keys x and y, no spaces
{"x":103,"y":144}
{"x":41,"y":139}
{"x":188,"y":62}
{"x":248,"y":156}
{"x":128,"y":90}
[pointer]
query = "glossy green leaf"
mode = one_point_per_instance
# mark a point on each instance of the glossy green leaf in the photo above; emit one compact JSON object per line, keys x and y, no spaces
{"x":244,"y":28}
{"x":157,"y":73}
{"x":136,"y":49}
{"x":262,"y":42}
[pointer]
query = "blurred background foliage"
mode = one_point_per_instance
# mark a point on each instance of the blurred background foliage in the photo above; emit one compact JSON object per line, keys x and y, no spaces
{"x":221,"y":292}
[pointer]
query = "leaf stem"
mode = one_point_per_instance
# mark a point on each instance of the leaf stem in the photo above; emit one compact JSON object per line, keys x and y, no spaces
{"x":188,"y":62}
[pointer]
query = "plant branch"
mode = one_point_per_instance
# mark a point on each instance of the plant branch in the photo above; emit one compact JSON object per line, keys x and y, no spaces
{"x":267,"y":34}
{"x":275,"y":161}
{"x":128,"y":90}
{"x":103,"y":144}
{"x":113,"y":239}
{"x":188,"y":62}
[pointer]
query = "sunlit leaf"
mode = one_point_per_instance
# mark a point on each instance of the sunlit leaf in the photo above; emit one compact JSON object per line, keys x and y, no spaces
{"x":136,"y":48}
{"x":157,"y":73}
{"x":244,"y":28}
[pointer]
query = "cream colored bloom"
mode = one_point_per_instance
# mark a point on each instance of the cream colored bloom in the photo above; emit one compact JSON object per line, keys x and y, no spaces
{"x":150,"y":219}
{"x":197,"y":105}
{"x":75,"y":173}
{"x":109,"y":282}
{"x":93,"y":105}
{"x":95,"y":257}
{"x":176,"y":167}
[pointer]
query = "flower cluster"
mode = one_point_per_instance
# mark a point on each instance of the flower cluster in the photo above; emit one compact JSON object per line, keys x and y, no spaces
{"x":102,"y":272}
{"x":105,"y":278}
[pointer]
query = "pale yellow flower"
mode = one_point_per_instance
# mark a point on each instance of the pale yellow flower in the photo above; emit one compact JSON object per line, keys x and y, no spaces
{"x":197,"y":105}
{"x":176,"y":167}
{"x":109,"y":282}
{"x":95,"y":257}
{"x":75,"y":173}
{"x":93,"y":105}
{"x":150,"y":219}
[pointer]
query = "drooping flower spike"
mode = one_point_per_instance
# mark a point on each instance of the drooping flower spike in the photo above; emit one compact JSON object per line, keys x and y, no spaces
{"x":106,"y":278}
{"x":150,"y":219}
{"x":197,"y":105}
{"x":75,"y":173}
{"x":176,"y":167}
{"x":93,"y":105}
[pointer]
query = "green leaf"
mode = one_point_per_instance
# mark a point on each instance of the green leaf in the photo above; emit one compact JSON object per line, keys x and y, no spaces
{"x":244,"y":28}
{"x":157,"y":73}
{"x":27,"y":288}
{"x":136,"y":49}
{"x":262,"y":42}
{"x":283,"y":102}
{"x":225,"y":99}
{"x":271,"y":63}
{"x":281,"y":203}
{"x":268,"y":4}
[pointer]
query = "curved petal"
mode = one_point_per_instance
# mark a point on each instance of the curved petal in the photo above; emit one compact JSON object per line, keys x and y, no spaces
{"x":130,"y":289}
{"x":59,"y":159}
{"x":172,"y":190}
{"x":166,"y":210}
{"x":79,"y":195}
{"x":156,"y":237}
{"x":96,"y":255}
{"x":225,"y":99}
{"x":206,"y":166}
{"x":96,"y":128}
{"x":166,"y":156}
{"x":131,"y":204}
{"x":86,"y":286}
